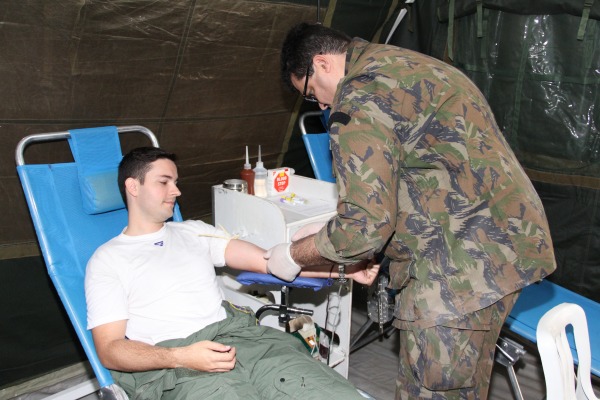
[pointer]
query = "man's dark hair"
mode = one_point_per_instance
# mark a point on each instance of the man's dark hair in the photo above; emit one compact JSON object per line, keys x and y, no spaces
{"x":136,"y":164}
{"x":302,"y":43}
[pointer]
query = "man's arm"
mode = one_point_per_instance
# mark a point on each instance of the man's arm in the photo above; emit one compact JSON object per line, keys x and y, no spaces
{"x":121,"y":354}
{"x":246,"y":256}
{"x":304,"y":252}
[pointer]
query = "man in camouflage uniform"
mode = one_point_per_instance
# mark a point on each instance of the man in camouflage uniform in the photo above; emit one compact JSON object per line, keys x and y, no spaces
{"x":421,"y":166}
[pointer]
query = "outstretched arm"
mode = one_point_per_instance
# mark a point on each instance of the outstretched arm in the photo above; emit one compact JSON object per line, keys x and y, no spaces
{"x":121,"y":354}
{"x":246,"y":256}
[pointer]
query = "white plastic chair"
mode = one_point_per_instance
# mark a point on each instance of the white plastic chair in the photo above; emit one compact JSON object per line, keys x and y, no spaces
{"x":557,"y":359}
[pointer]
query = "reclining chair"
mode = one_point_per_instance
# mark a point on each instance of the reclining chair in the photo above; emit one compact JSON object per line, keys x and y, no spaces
{"x":534,"y":302}
{"x":75,"y":208}
{"x":317,"y":146}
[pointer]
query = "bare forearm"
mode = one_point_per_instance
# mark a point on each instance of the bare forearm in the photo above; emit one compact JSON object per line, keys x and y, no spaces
{"x":305,"y":253}
{"x":301,"y":257}
{"x":243,"y":255}
{"x":132,"y":356}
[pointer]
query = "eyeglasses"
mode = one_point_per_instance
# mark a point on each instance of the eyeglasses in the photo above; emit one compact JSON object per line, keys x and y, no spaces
{"x":308,"y":97}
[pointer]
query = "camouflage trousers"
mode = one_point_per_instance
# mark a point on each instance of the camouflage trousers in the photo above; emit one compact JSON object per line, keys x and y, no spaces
{"x":454,"y":360}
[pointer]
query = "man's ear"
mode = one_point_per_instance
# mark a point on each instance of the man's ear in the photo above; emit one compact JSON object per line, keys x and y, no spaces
{"x":132,"y":186}
{"x":323,"y":62}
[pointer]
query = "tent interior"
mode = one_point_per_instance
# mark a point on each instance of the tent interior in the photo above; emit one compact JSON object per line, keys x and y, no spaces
{"x":204,"y":77}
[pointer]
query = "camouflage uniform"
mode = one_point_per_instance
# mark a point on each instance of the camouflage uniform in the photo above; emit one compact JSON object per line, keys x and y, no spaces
{"x":420,"y":159}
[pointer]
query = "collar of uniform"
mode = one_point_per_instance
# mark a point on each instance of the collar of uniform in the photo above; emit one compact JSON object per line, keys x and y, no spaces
{"x":355,"y":49}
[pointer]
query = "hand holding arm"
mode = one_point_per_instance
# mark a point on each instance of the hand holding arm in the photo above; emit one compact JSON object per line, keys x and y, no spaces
{"x":364,"y":272}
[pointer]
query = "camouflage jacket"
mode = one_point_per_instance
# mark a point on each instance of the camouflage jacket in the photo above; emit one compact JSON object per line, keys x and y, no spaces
{"x":421,"y":162}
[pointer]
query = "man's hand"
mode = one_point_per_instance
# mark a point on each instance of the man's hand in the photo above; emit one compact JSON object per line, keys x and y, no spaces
{"x":363,"y":272}
{"x":207,"y":356}
{"x":308,"y":229}
{"x":280,"y":262}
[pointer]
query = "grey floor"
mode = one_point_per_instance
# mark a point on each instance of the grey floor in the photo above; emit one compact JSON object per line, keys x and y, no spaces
{"x":373,"y":368}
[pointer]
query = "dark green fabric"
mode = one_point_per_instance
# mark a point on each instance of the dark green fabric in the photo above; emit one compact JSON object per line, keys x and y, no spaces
{"x":523,"y":7}
{"x":270,"y":365}
{"x":574,"y":218}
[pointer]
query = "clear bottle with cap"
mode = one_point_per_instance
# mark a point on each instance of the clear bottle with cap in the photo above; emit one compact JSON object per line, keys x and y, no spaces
{"x":260,"y":177}
{"x":247,"y":174}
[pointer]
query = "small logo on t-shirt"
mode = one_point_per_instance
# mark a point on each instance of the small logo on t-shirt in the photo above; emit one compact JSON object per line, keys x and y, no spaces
{"x":159,"y":243}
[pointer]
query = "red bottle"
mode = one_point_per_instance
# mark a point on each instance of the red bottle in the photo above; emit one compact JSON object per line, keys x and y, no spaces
{"x":247,"y":174}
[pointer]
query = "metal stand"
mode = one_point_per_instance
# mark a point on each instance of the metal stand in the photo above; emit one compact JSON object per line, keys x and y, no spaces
{"x":283,"y":309}
{"x":380,"y":311}
{"x":363,"y":337}
{"x":509,"y":352}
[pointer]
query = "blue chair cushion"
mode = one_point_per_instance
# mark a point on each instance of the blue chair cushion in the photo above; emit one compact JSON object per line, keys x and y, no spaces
{"x":97,"y":152}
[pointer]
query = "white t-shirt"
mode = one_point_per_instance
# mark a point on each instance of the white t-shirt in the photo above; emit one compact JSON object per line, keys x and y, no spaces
{"x":164,"y":283}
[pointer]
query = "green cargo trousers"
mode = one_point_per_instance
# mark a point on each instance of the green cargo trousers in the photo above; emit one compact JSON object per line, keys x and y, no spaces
{"x":270,"y":365}
{"x":452,"y":361}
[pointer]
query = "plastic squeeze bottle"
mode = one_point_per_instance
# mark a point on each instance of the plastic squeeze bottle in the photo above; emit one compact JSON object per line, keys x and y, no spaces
{"x":247,"y":174}
{"x":260,"y":177}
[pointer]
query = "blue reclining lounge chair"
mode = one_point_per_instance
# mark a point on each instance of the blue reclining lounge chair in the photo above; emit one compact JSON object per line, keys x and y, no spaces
{"x":75,"y":208}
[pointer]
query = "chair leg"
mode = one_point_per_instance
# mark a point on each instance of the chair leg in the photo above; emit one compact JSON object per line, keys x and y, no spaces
{"x":509,"y":352}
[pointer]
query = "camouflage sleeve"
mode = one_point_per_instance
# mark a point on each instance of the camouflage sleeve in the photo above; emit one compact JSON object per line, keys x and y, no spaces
{"x":366,"y":165}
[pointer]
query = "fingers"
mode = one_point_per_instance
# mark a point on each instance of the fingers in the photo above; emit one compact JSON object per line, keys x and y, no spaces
{"x":364,"y":274}
{"x":372,"y":274}
{"x":374,"y":268}
{"x":215,"y":346}
{"x":223,"y":362}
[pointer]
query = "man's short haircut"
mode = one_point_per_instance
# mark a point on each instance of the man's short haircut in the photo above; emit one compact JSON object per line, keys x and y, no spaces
{"x":302,"y":43}
{"x":136,"y":164}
